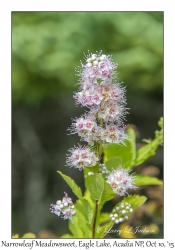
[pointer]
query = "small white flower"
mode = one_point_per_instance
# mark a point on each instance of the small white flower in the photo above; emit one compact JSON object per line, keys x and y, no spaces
{"x":95,"y":63}
{"x":94,"y":56}
{"x":103,"y":57}
{"x":120,"y":219}
{"x":123,"y":211}
{"x":58,"y":202}
{"x":89,"y":65}
{"x":88,"y":60}
{"x":61,"y":205}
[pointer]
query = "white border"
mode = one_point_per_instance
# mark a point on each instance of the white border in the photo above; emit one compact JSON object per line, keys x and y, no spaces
{"x":5,"y":92}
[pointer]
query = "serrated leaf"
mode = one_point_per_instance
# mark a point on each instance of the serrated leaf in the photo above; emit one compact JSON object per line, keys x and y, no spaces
{"x":88,"y":209}
{"x":113,"y":163}
{"x":87,"y":178}
{"x":84,"y":210}
{"x":104,"y":218}
{"x":142,"y":180}
{"x":75,"y":188}
{"x":146,"y":152}
{"x":96,"y":186}
{"x":135,"y":200}
{"x":149,"y":150}
{"x":127,"y":152}
{"x":74,"y":228}
{"x":84,"y":213}
{"x":88,"y":197}
{"x":101,"y":231}
{"x":107,"y":194}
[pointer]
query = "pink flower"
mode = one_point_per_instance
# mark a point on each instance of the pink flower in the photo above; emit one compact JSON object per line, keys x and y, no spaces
{"x":80,"y":157}
{"x":68,"y":213}
{"x":121,"y":181}
{"x":114,"y":134}
{"x":64,"y":207}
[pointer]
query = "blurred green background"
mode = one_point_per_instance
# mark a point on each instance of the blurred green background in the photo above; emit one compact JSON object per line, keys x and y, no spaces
{"x":46,"y":48}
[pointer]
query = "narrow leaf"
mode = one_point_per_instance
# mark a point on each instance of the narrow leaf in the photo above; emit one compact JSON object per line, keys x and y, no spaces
{"x":134,"y":200}
{"x":108,"y":193}
{"x":74,"y":228}
{"x":113,"y":163}
{"x":75,"y":188}
{"x":142,"y":180}
{"x":96,"y":186}
{"x":150,"y":149}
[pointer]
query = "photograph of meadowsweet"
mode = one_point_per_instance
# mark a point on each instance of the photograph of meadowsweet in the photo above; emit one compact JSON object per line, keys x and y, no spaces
{"x":87,"y":125}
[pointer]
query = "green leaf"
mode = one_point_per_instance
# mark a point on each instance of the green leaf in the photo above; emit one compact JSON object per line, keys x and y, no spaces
{"x":149,"y":150}
{"x":85,"y":211}
{"x":113,"y":163}
{"x":76,"y":189}
{"x":66,"y":236}
{"x":96,"y":186}
{"x":88,"y":209}
{"x":101,"y":231}
{"x":104,"y":218}
{"x":108,"y":193}
{"x":142,"y":180}
{"x":88,"y":197}
{"x":87,"y":178}
{"x":127,"y":152}
{"x":146,"y":152}
{"x":75,"y":228}
{"x":134,"y":200}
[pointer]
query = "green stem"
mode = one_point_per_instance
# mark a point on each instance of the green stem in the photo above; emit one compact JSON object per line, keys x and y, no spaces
{"x":95,"y":219}
{"x":99,"y":153}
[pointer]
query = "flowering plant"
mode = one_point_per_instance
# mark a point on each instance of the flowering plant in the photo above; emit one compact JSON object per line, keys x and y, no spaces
{"x":109,"y":156}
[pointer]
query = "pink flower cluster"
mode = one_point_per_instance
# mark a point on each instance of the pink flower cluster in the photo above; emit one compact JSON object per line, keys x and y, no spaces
{"x":106,"y":100}
{"x":80,"y":157}
{"x":65,"y":207}
{"x":121,"y":181}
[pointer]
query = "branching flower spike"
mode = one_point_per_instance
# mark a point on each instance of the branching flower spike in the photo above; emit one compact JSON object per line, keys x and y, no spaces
{"x":105,"y":176}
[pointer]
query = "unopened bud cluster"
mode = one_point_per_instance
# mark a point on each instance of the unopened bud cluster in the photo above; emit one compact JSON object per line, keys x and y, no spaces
{"x":64,"y":208}
{"x":103,"y":169}
{"x":121,"y":213}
